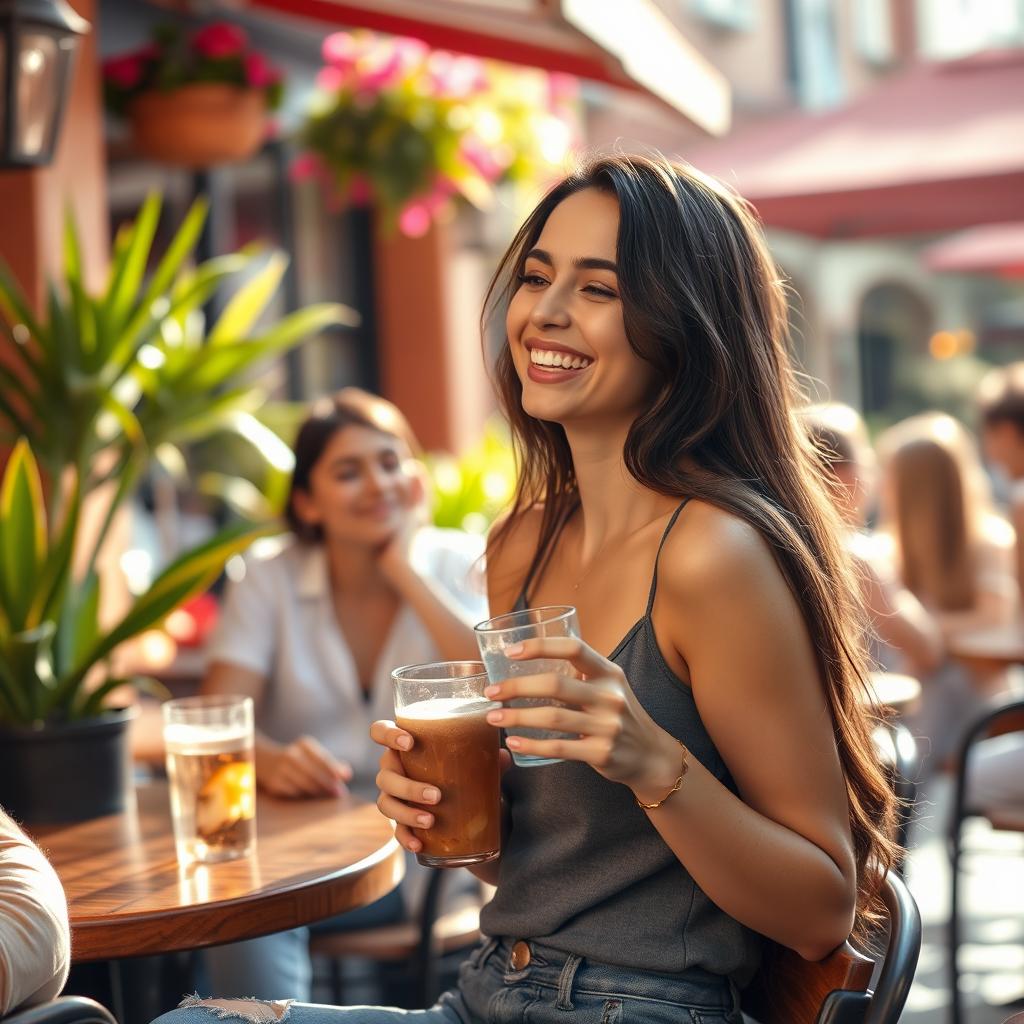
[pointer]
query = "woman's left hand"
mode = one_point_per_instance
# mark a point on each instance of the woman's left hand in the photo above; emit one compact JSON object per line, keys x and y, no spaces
{"x":395,"y":557}
{"x":617,"y":737}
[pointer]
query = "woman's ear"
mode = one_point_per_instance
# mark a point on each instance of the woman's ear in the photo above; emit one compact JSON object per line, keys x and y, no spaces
{"x":305,"y":508}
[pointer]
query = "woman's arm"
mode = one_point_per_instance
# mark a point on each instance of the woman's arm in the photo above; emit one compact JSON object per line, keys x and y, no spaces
{"x":301,"y":768}
{"x":900,"y":619}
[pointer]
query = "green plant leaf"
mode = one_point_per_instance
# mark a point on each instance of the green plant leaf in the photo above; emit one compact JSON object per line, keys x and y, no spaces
{"x":131,"y":268}
{"x":90,"y":703}
{"x":177,"y":253}
{"x":190,"y":574}
{"x":16,"y":307}
{"x":56,"y":572}
{"x":22,"y":533}
{"x":245,"y":306}
{"x":26,"y":654}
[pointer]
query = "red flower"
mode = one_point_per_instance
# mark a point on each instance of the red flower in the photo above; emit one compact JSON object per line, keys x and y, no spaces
{"x":126,"y":71}
{"x":259,"y":73}
{"x":220,"y":40}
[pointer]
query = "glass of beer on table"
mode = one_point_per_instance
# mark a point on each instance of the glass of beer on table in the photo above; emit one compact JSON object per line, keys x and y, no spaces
{"x":443,"y":707}
{"x":211,"y":770}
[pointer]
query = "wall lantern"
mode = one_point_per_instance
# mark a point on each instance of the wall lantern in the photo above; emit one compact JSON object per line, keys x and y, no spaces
{"x":38,"y":39}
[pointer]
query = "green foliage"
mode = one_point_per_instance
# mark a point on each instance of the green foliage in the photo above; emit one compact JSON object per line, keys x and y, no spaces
{"x":471,"y":490}
{"x":99,"y":387}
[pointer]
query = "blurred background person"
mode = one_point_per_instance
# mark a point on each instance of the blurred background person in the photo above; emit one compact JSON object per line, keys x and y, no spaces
{"x":950,"y":548}
{"x":312,"y":634}
{"x":1001,"y":415}
{"x":907,"y":638}
{"x":35,"y":938}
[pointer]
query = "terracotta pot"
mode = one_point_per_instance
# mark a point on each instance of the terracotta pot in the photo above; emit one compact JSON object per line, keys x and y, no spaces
{"x":59,"y":773}
{"x":199,"y":125}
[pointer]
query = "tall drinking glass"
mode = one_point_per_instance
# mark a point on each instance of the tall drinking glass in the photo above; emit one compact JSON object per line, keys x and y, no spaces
{"x":210,"y":766}
{"x":442,"y":705}
{"x":495,"y":635}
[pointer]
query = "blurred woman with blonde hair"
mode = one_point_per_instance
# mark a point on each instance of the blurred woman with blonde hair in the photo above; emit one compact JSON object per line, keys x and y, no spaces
{"x":951,"y":550}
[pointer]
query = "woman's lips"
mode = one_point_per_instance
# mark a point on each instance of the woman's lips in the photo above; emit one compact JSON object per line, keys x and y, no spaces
{"x":552,"y":374}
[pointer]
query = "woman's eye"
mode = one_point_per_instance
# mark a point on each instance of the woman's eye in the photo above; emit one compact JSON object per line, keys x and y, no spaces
{"x":534,"y":280}
{"x":596,"y":289}
{"x":390,"y":462}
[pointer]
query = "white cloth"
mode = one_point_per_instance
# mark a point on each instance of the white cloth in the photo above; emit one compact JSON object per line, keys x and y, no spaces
{"x":35,"y":939}
{"x":279,"y":621}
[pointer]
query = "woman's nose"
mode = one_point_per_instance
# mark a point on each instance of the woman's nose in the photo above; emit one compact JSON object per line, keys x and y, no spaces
{"x":550,"y":310}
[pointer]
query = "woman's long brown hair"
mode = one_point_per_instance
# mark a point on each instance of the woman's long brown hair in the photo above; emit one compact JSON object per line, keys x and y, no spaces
{"x":704,"y":304}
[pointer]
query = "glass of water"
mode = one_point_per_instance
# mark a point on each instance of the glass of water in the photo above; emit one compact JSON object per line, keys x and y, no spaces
{"x":208,"y":741}
{"x":495,"y":635}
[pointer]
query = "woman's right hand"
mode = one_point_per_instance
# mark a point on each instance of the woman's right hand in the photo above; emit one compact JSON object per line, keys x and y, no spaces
{"x":402,"y":799}
{"x":302,"y":768}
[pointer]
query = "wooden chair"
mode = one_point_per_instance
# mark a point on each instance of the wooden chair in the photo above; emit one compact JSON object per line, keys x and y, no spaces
{"x":791,"y":990}
{"x":1004,"y":719}
{"x":418,"y":945}
{"x":63,"y":1010}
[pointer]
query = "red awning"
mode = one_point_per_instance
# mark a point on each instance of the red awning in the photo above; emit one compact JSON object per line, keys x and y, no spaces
{"x":642,"y":51}
{"x":935,"y":148}
{"x":991,"y":248}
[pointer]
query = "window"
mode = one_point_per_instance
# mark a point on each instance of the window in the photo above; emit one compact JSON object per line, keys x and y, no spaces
{"x":954,"y":28}
{"x":814,"y":68}
{"x":872,"y":30}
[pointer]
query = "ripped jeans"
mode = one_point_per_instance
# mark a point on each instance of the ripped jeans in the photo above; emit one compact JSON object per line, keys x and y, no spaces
{"x":551,"y":987}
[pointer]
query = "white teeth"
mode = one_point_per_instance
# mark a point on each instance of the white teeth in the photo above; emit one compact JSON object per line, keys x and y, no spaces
{"x":562,"y":360}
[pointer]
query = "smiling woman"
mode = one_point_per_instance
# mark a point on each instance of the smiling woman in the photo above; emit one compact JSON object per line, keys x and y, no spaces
{"x":717,"y":785}
{"x":312,"y":633}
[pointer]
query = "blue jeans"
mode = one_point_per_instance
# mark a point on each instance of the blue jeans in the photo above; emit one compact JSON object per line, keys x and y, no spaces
{"x":553,"y":988}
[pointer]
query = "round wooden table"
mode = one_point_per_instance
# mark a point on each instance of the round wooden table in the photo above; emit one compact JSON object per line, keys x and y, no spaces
{"x":127,"y":895}
{"x":996,"y":645}
{"x":893,"y":691}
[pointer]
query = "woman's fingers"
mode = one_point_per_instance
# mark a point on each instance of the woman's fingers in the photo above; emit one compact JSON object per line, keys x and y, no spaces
{"x":401,"y":787}
{"x":593,"y":750}
{"x":403,"y":813}
{"x":581,"y":656}
{"x":557,"y":718}
{"x":555,"y":686}
{"x":387,"y":734}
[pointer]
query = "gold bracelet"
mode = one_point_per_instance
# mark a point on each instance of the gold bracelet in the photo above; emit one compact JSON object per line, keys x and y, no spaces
{"x":683,"y":768}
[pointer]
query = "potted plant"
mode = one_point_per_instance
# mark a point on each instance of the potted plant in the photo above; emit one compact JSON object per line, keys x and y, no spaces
{"x":98,"y":386}
{"x":194,"y":100}
{"x":410,"y":128}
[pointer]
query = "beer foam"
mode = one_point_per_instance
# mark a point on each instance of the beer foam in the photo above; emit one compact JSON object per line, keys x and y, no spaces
{"x":185,"y":738}
{"x":446,"y":707}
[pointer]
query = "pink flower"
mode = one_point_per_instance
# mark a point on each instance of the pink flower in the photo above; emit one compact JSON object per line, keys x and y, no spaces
{"x":259,"y":73}
{"x":414,"y":220}
{"x":360,"y":191}
{"x":378,"y":69}
{"x":480,"y":158}
{"x":305,"y":166}
{"x":341,"y":50}
{"x":126,"y":71}
{"x":411,"y":52}
{"x":562,"y":89}
{"x":220,"y":40}
{"x":330,"y":78}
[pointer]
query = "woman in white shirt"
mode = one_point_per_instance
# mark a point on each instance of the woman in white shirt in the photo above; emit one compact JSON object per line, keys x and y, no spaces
{"x":313,"y":632}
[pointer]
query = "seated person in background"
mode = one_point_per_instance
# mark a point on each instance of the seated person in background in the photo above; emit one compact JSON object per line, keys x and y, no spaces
{"x":906,"y":636}
{"x":953,"y":552}
{"x":313,"y":633}
{"x":35,"y":940}
{"x":1001,"y":415}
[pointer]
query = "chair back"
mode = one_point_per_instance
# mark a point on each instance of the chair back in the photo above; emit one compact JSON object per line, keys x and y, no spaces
{"x":62,"y":1010}
{"x":790,"y":990}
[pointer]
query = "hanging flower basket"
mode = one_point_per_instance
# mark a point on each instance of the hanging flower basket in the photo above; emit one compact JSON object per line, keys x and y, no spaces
{"x":198,"y":125}
{"x":411,"y":129}
{"x":194,"y":100}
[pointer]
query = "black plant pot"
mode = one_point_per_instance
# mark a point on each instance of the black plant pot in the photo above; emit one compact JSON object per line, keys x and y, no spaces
{"x":64,"y":772}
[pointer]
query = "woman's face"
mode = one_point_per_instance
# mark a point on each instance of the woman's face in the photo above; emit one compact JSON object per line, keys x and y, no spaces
{"x":362,"y":488}
{"x":565,"y":322}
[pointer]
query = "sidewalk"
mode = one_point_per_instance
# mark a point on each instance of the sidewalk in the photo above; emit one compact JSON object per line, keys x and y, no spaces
{"x":992,"y":956}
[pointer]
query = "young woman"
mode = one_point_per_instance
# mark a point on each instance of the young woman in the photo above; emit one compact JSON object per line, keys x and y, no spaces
{"x":723,"y":785}
{"x":953,"y":552}
{"x":905,"y":636}
{"x":312,"y":634}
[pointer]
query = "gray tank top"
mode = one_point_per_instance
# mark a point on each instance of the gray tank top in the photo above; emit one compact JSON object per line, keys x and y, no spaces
{"x":584,"y":870}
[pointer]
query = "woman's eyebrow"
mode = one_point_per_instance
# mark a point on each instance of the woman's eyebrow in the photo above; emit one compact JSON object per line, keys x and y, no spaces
{"x":580,"y":263}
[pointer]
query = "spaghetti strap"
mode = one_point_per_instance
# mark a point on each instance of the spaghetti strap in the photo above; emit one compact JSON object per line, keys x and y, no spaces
{"x":657,"y":557}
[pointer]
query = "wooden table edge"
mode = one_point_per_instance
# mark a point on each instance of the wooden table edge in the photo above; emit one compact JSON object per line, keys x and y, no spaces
{"x":287,"y":907}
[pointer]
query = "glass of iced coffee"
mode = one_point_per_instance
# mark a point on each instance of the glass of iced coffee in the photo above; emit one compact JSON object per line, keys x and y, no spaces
{"x":443,"y":707}
{"x":211,"y":770}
